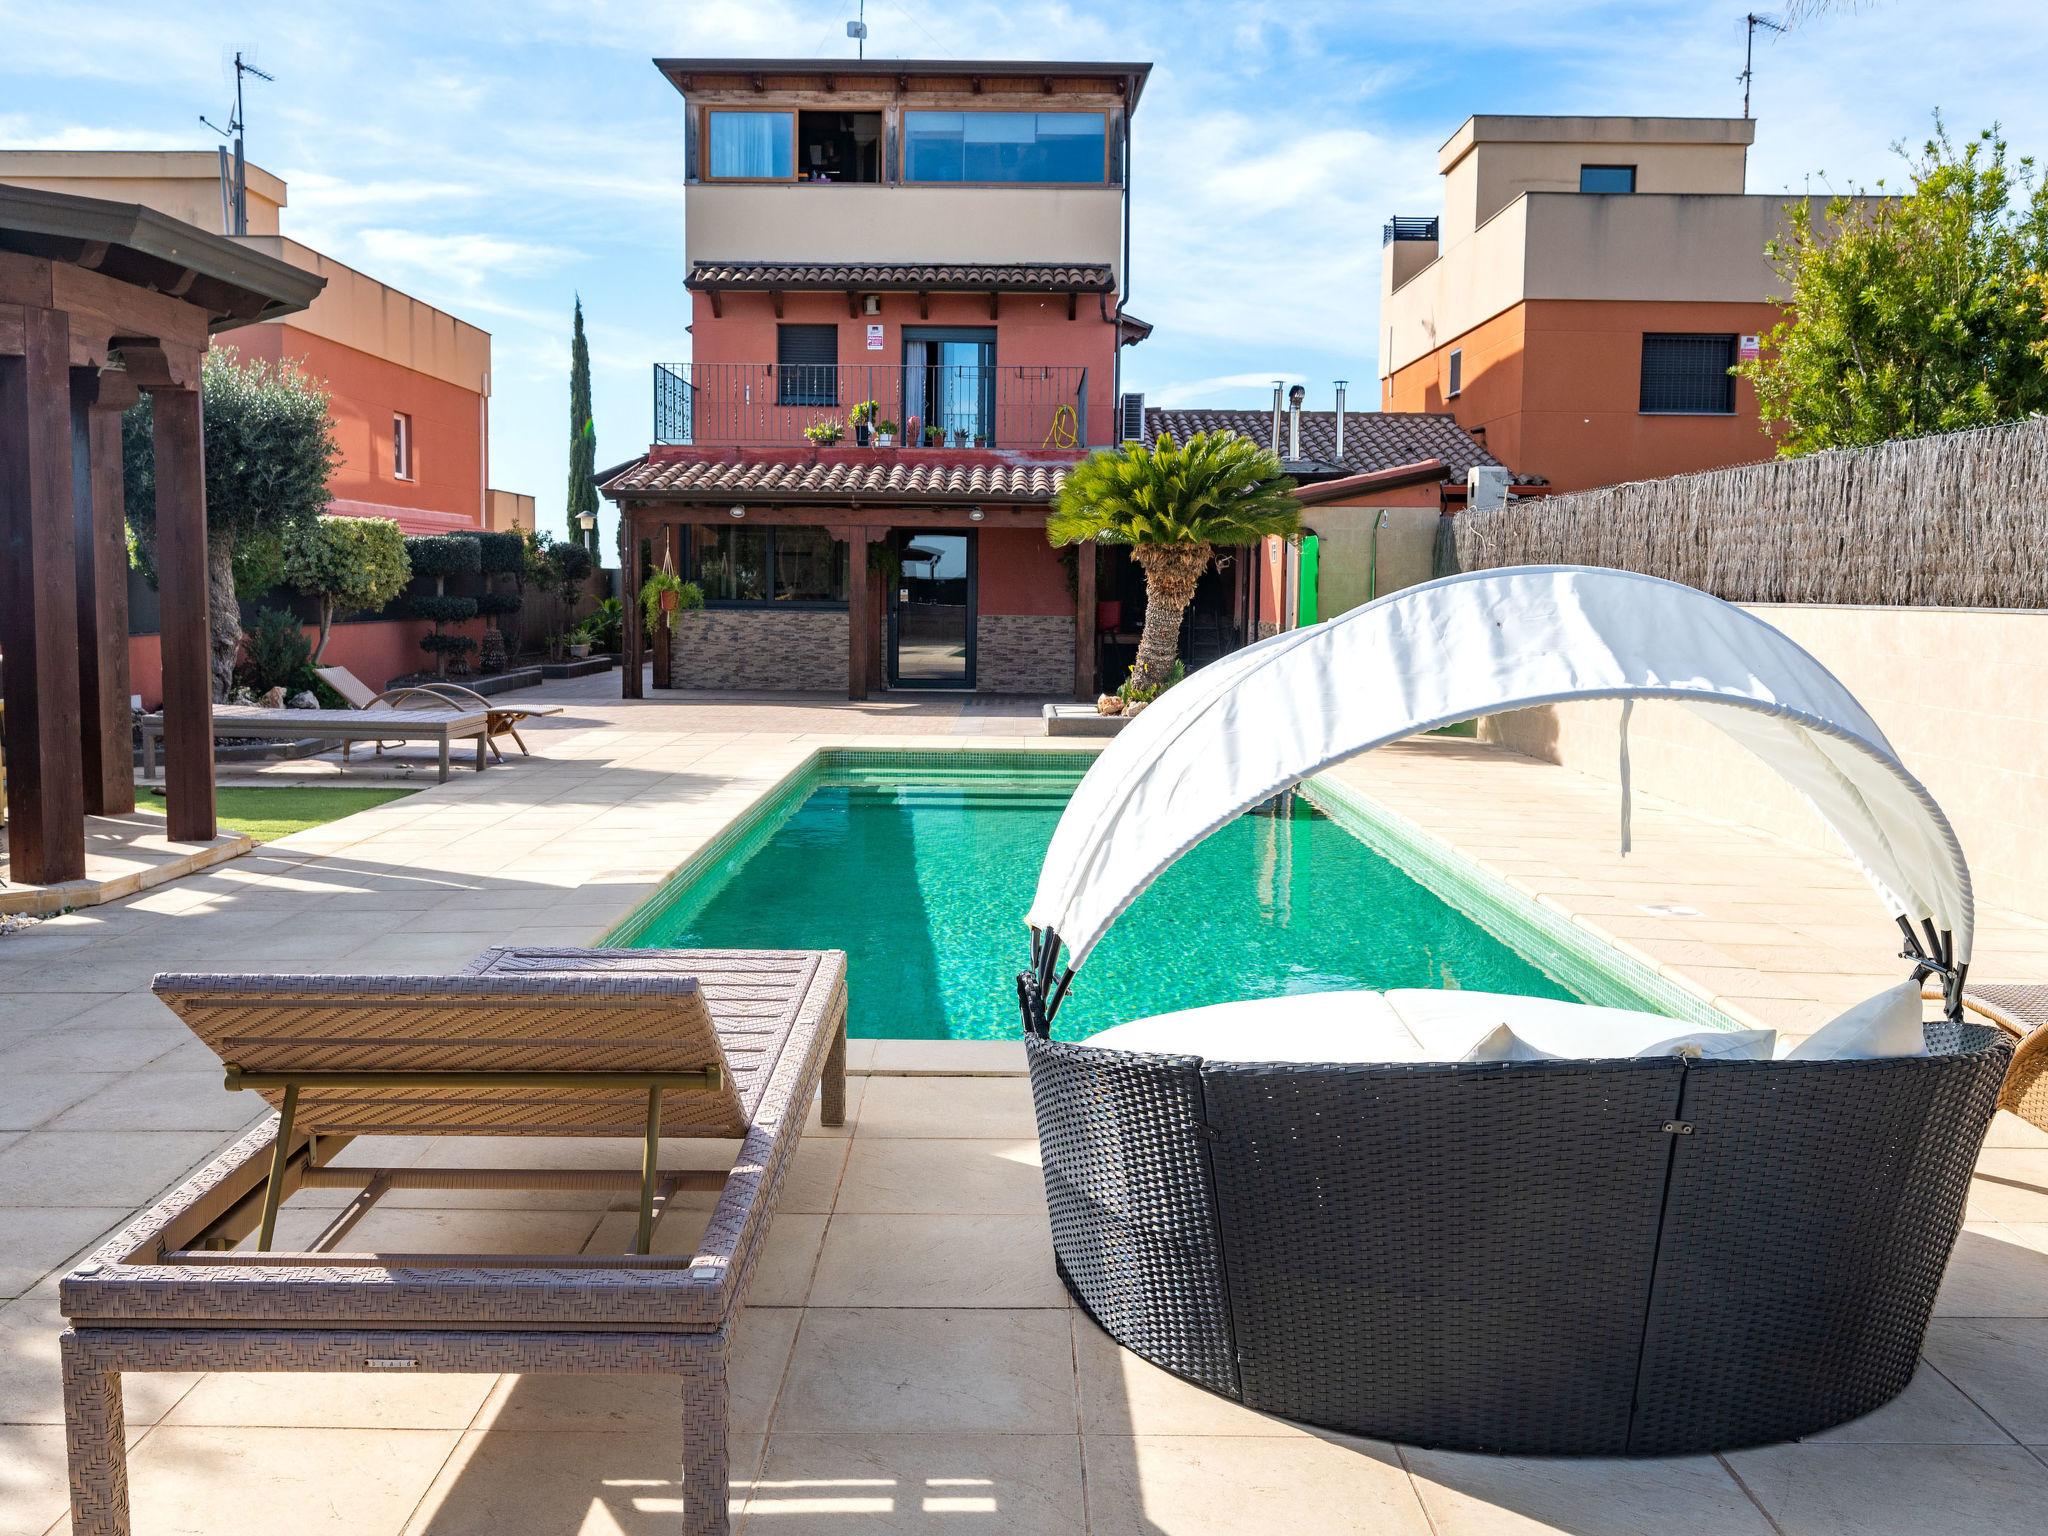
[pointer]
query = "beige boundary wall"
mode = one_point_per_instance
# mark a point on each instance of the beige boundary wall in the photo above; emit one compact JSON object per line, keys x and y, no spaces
{"x":1961,"y":692}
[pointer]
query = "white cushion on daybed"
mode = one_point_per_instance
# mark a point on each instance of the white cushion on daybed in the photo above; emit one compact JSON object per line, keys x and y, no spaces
{"x":1888,"y":1024}
{"x":1419,"y":1026}
{"x":1310,"y":1026}
{"x":1498,"y":1026}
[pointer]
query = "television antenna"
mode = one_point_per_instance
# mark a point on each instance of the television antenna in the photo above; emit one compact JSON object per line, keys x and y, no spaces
{"x":858,"y":31}
{"x":235,"y":192}
{"x":1751,"y":22}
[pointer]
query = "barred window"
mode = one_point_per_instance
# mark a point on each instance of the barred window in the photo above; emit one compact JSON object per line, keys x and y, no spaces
{"x":1688,"y":375}
{"x":807,"y":365}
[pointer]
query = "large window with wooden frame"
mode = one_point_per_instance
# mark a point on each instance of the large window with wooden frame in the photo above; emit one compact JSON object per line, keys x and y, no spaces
{"x":1044,"y":148}
{"x":768,"y":567}
{"x":748,"y":145}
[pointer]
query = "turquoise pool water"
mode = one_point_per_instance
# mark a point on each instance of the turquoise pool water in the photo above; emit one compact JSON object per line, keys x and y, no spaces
{"x":922,"y":875}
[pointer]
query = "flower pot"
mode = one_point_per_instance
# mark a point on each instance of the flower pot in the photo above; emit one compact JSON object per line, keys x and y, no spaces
{"x":960,"y":438}
{"x":578,"y":650}
{"x":885,"y":440}
{"x":860,"y":435}
{"x":669,"y":600}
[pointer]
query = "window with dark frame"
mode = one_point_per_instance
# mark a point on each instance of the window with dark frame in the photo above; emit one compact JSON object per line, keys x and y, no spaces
{"x":1457,"y":385}
{"x":1688,"y":375}
{"x":839,"y":147}
{"x":764,"y":567}
{"x":1607,"y":178}
{"x":806,"y":365}
{"x":1048,"y":148}
{"x":401,"y":445}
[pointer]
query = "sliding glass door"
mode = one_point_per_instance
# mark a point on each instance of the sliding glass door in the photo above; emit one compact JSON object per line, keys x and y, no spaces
{"x":949,"y":383}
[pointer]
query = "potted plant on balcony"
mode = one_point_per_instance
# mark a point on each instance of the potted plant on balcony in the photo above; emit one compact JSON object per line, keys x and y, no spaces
{"x":885,"y":434}
{"x":913,"y":432}
{"x":824,"y":434}
{"x":934,"y":437}
{"x":959,"y":437}
{"x":862,"y":416}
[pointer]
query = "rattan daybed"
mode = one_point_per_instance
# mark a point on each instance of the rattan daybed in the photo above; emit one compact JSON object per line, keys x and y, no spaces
{"x":530,"y":1042}
{"x":1649,"y":1256}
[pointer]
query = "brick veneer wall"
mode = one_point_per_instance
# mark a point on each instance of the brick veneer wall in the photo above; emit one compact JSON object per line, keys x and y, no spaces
{"x":798,"y":650}
{"x":1024,"y":653}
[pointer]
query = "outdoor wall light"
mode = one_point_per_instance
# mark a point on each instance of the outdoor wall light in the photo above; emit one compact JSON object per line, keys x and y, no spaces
{"x":739,"y":511}
{"x":974,"y":514}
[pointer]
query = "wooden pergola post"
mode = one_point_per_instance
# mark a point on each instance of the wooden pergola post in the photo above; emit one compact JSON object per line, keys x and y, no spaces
{"x":98,"y":397}
{"x":632,"y":639}
{"x":664,"y":632}
{"x":859,"y":609}
{"x":1085,"y":650}
{"x":181,"y":579}
{"x":39,"y":601}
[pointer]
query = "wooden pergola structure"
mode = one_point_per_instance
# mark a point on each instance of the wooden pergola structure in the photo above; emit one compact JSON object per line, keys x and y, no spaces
{"x":100,"y":302}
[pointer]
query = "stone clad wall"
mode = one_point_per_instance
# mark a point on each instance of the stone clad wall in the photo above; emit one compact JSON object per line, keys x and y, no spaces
{"x":1024,"y":653}
{"x":794,"y":650}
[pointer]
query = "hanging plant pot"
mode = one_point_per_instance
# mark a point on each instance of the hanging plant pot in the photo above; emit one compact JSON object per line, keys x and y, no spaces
{"x":669,"y":600}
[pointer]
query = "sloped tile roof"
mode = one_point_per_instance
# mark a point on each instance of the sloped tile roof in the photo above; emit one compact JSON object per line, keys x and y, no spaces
{"x":1021,"y":277}
{"x":904,"y":475}
{"x":1372,"y":439}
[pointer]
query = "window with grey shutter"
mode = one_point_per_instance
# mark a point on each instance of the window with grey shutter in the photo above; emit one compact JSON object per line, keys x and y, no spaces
{"x":807,"y":365}
{"x":1688,"y":375}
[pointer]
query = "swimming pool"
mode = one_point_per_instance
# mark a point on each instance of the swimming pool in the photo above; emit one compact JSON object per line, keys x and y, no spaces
{"x":920,"y":866}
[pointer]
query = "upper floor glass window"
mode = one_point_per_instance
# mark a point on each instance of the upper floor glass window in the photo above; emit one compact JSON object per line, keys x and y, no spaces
{"x":1025,"y":147}
{"x":1607,"y":178}
{"x":751,"y":146}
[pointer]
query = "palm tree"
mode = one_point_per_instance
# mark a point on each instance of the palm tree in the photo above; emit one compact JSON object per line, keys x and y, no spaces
{"x":1172,"y":506}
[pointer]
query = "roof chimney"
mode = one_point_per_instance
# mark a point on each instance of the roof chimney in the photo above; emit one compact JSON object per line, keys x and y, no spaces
{"x":1340,"y":421}
{"x":1278,"y":386}
{"x":1294,"y":398}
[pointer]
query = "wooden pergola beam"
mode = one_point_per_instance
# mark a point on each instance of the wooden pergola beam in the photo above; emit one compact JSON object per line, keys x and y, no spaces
{"x":39,"y":604}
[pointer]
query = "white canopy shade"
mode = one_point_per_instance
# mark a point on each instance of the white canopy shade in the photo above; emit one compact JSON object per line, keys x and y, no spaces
{"x":1263,"y":719}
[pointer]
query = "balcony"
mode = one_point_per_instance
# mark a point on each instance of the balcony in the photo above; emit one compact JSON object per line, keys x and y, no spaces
{"x":968,"y":405}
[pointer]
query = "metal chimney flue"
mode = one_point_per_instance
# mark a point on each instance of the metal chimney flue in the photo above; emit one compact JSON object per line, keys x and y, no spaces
{"x":1279,"y":385}
{"x":1340,"y":420}
{"x":1294,"y":398}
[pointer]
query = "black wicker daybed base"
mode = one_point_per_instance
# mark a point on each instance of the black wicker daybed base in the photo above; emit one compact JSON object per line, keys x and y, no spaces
{"x":1599,"y":1258}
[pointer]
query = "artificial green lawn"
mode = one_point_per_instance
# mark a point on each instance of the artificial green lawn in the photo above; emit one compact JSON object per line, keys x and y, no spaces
{"x":268,"y":814}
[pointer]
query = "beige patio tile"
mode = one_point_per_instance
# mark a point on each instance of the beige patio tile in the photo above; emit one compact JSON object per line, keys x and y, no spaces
{"x":1931,"y":1411}
{"x":36,"y":1239}
{"x":950,"y":1108}
{"x":915,"y":1369}
{"x":782,"y":1273}
{"x":1159,"y":1485}
{"x":1524,"y":1496}
{"x":1995,"y":1271}
{"x":2002,"y":1363}
{"x":1020,"y":1485}
{"x":2011,"y":1185}
{"x":1870,"y":1490}
{"x":949,"y":1058}
{"x":98,"y":1168}
{"x":33,"y":1485}
{"x":565,"y":1483}
{"x":2009,"y":1130}
{"x":408,"y":1230}
{"x":163,"y":1100}
{"x":755,"y":1361}
{"x":1124,"y":1395}
{"x":29,"y":1099}
{"x":889,"y":1174}
{"x":31,"y":1378}
{"x":937,"y":1261}
{"x":282,"y":1482}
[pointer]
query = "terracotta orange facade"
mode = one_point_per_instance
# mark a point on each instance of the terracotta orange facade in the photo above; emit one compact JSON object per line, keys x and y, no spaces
{"x":1553,"y":387}
{"x":449,"y":435}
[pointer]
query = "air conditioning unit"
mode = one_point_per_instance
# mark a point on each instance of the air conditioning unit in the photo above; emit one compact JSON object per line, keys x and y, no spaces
{"x":1130,"y":420}
{"x":1486,"y":487}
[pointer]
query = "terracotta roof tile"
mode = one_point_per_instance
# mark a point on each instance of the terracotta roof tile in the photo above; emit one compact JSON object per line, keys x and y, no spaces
{"x":1020,"y":277}
{"x":803,"y":476}
{"x":1372,"y":439}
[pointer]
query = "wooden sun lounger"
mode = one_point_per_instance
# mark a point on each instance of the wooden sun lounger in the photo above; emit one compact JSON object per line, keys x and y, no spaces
{"x":442,"y":727}
{"x":504,"y":717}
{"x":637,"y":1044}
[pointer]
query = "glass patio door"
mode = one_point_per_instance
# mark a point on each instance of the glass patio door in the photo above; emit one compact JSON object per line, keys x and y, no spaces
{"x":949,"y":382}
{"x":931,"y":612}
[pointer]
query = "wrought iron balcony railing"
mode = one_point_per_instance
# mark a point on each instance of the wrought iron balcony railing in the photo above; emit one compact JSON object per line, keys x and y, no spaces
{"x":954,"y":405}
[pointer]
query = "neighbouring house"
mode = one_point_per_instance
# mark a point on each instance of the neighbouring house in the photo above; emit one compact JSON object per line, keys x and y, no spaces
{"x":1585,"y":291}
{"x":947,"y":241}
{"x":410,"y":384}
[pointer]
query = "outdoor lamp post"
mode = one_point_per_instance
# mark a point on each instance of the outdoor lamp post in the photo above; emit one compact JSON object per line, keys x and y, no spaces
{"x":586,"y":523}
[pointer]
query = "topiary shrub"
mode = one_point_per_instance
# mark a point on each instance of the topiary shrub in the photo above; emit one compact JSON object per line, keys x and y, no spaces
{"x":442,"y":555}
{"x":504,"y":554}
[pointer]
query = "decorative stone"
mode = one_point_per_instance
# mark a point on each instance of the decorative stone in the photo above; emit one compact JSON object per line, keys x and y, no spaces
{"x":274,"y":699}
{"x":303,"y":699}
{"x":1108,"y":704}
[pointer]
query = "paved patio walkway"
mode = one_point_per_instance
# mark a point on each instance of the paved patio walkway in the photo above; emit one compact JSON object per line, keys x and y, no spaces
{"x":951,"y":1388}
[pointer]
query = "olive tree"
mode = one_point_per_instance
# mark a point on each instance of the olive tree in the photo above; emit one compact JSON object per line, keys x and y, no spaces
{"x":347,"y":565}
{"x":270,"y":453}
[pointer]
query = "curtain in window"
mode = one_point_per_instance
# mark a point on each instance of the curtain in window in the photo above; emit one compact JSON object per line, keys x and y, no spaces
{"x":751,"y":144}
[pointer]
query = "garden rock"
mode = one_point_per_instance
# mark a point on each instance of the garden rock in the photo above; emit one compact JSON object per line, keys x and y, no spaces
{"x":274,"y":699}
{"x":303,"y":699}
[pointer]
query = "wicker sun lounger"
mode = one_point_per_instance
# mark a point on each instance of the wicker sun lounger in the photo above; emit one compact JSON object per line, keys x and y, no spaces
{"x":2020,"y":1009}
{"x":434,"y":724}
{"x":529,"y":1042}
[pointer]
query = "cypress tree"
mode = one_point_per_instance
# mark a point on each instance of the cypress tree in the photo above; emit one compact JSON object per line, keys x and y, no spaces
{"x":582,"y":436}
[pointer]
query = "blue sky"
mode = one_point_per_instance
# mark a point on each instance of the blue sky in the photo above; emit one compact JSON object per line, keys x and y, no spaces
{"x":495,"y":159}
